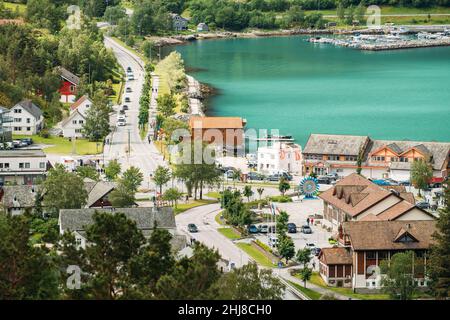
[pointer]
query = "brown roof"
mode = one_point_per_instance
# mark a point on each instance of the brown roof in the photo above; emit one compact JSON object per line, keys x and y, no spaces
{"x":398,"y":210}
{"x":335,"y":144}
{"x":77,"y":103}
{"x":370,"y":217}
{"x":382,"y":235}
{"x":354,"y":194}
{"x":216,"y":122}
{"x":336,"y":255}
{"x":408,"y":196}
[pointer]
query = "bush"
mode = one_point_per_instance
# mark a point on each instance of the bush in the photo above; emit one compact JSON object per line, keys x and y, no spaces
{"x":263,"y":245}
{"x":281,"y":199}
{"x":44,"y":134}
{"x":254,"y":204}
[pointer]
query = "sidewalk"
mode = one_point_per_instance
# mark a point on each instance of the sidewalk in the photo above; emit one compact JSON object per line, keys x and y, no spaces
{"x":287,"y":276}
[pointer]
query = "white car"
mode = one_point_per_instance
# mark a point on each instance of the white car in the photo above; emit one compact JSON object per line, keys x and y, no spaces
{"x":121,"y":122}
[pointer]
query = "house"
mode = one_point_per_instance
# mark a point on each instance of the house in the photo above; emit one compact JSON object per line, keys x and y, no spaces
{"x":19,"y":199}
{"x":379,"y":158}
{"x":69,"y":83}
{"x":335,"y":266}
{"x":27,"y":118}
{"x":98,"y":192}
{"x":225,"y":132}
{"x":82,"y":105}
{"x":23,"y":166}
{"x":77,"y":220}
{"x":5,"y":129}
{"x":324,"y":153}
{"x":179,"y":23}
{"x":202,"y":27}
{"x":356,"y":198}
{"x":371,"y":242}
{"x":72,"y":126}
{"x":279,"y":157}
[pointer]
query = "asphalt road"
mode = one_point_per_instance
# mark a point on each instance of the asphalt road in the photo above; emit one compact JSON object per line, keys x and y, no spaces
{"x":125,"y":143}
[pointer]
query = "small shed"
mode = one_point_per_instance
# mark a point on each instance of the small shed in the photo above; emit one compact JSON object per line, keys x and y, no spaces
{"x":202,"y":27}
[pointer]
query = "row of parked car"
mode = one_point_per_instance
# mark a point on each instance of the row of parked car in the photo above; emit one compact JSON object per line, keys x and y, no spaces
{"x":291,"y":228}
{"x":256,"y":176}
{"x":15,"y":144}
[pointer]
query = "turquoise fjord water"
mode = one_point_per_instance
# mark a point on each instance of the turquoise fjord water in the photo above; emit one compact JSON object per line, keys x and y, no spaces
{"x":301,"y":88}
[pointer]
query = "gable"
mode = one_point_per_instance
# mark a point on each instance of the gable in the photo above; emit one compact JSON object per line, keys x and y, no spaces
{"x":415,"y":214}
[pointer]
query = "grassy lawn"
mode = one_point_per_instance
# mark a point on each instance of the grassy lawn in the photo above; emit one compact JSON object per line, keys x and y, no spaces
{"x":118,"y":89}
{"x":12,"y":6}
{"x":317,"y":280}
{"x":63,"y":146}
{"x":230,"y":233}
{"x":218,"y":220}
{"x":143,"y":131}
{"x":313,"y":295}
{"x":257,"y":255}
{"x":196,"y":203}
{"x":213,"y":194}
{"x":140,"y":55}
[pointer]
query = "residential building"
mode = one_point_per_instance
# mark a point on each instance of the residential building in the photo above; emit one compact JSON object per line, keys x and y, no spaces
{"x":279,"y":157}
{"x":98,"y":192}
{"x":5,"y":129}
{"x":19,"y":199}
{"x":179,"y":23}
{"x":335,"y":266}
{"x":225,"y":132}
{"x":77,"y":220}
{"x":356,"y":198}
{"x":202,"y":27}
{"x":371,"y":242}
{"x":69,"y":83}
{"x":22,"y":166}
{"x":324,"y":153}
{"x":379,"y":158}
{"x":73,"y":125}
{"x":27,"y":118}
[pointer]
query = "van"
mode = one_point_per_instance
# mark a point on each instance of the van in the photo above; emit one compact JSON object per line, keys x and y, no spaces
{"x":273,"y":241}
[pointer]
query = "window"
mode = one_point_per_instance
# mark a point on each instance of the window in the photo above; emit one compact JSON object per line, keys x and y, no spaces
{"x":77,"y":130}
{"x":41,"y":165}
{"x":28,"y":128}
{"x":28,"y":120}
{"x":17,"y":110}
{"x":371,"y":255}
{"x":1,"y":165}
{"x":406,"y":238}
{"x":6,"y":165}
{"x":80,"y":121}
{"x":350,"y":158}
{"x":72,"y":88}
{"x":74,"y":121}
{"x":21,"y":165}
{"x":17,"y":128}
{"x":17,"y":120}
{"x":333,"y":157}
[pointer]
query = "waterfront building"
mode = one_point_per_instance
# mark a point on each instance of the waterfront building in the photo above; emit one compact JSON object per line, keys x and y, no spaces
{"x":280,"y":157}
{"x":379,"y":158}
{"x":179,"y":23}
{"x":27,"y":118}
{"x":355,"y":198}
{"x":202,"y":27}
{"x":22,"y":167}
{"x":227,"y":133}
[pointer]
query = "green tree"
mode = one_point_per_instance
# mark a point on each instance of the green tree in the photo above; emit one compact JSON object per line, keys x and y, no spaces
{"x":304,"y":257}
{"x":97,"y":127}
{"x":281,"y":223}
{"x":340,"y":11}
{"x":122,"y":197}
{"x":248,"y":283}
{"x":112,"y":170}
{"x":27,"y":271}
{"x":286,"y":247}
{"x":132,"y":178}
{"x":172,"y":195}
{"x":161,"y":177}
{"x":63,"y":190}
{"x":283,"y":185}
{"x":88,"y":172}
{"x":114,"y":14}
{"x":166,"y":105}
{"x":260,"y":192}
{"x":439,"y":260}
{"x":305,"y":275}
{"x":399,"y":282}
{"x":248,"y":192}
{"x":421,"y":174}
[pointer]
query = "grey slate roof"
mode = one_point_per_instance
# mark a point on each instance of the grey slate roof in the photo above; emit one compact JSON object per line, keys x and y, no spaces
{"x":69,"y":76}
{"x":29,"y":106}
{"x":22,"y":153}
{"x":437,"y":150}
{"x":19,"y":196}
{"x":145,"y":218}
{"x":334,"y":144}
{"x":96,"y":190}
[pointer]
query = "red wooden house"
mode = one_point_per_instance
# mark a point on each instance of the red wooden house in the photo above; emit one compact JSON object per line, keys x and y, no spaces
{"x":69,"y":83}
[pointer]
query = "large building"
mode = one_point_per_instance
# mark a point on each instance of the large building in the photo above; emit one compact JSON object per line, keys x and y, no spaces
{"x":364,"y":245}
{"x":22,"y":166}
{"x":27,"y":118}
{"x":280,"y":157}
{"x":224,"y":132}
{"x":356,"y":198}
{"x":339,"y":154}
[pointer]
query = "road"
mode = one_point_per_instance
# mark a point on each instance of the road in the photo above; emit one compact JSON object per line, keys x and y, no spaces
{"x":204,"y":218}
{"x":125,"y":143}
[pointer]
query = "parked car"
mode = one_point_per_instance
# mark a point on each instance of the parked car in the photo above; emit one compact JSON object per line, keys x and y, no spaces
{"x":333,"y":176}
{"x":192,"y":228}
{"x":264,"y":228}
{"x":128,"y":90}
{"x":127,"y":99}
{"x":292,"y":228}
{"x":230,"y":174}
{"x":306,"y":229}
{"x":255,"y":176}
{"x":278,"y":176}
{"x":252,"y":229}
{"x":316,"y":251}
{"x":28,"y":141}
{"x":405,"y":183}
{"x":324,"y":180}
{"x":125,"y":107}
{"x":130,"y":77}
{"x":311,"y":246}
{"x":423,"y":205}
{"x":274,"y":177}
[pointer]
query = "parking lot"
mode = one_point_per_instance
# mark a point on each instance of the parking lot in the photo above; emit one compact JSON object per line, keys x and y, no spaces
{"x":298,"y":213}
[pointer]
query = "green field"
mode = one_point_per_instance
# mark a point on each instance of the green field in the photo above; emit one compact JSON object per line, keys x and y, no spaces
{"x":257,"y":255}
{"x":313,"y":295}
{"x":196,"y":203}
{"x":230,"y":233}
{"x":62,"y":146}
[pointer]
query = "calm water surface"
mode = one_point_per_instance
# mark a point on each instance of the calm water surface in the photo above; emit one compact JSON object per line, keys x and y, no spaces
{"x":300,"y":88}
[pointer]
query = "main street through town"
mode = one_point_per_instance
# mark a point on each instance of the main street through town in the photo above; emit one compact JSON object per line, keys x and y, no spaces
{"x":146,"y":157}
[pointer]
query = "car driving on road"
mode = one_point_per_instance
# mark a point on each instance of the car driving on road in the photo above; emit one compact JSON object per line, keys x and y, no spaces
{"x":192,"y":228}
{"x":121,"y":121}
{"x":127,"y":99}
{"x":128,"y":90}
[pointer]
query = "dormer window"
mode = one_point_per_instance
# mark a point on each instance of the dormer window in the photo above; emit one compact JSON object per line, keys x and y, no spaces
{"x":406,"y":238}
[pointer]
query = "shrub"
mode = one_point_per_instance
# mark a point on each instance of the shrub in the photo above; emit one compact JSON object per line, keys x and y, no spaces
{"x":44,"y":134}
{"x":281,"y":199}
